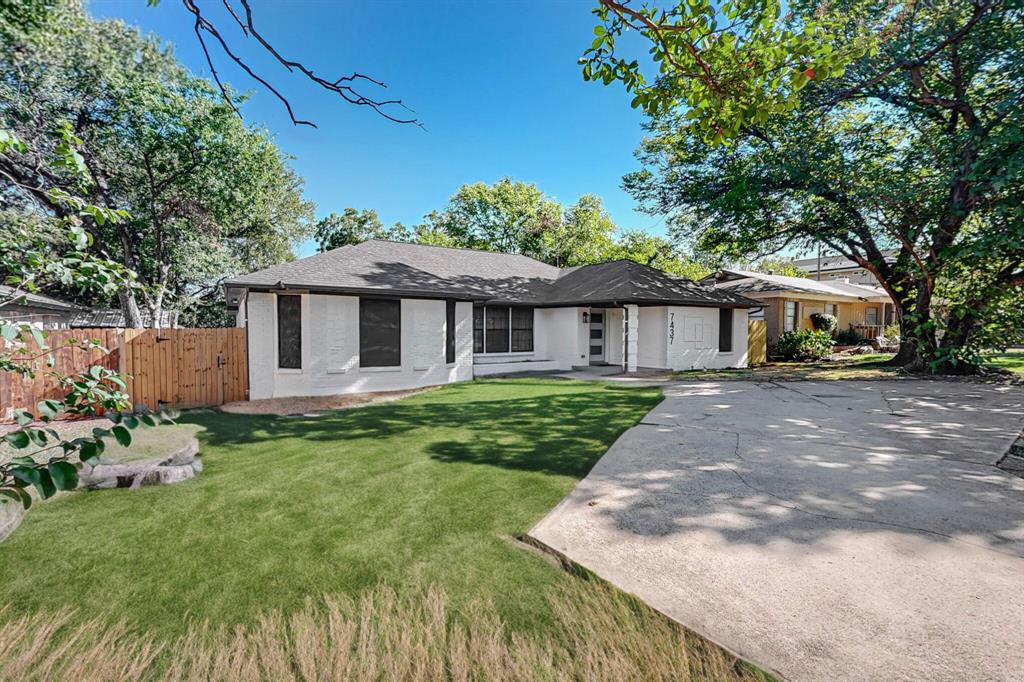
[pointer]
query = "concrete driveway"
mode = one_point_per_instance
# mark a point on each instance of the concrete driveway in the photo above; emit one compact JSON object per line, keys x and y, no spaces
{"x":837,"y":530}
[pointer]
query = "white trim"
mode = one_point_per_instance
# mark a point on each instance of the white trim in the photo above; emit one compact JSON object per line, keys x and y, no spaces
{"x":394,"y":368}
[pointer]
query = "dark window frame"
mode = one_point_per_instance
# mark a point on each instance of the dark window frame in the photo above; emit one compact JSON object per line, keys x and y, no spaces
{"x":725,"y":323}
{"x":289,"y":357}
{"x":525,"y":324}
{"x":478,"y":330}
{"x":494,"y":342}
{"x":378,"y":355}
{"x":449,"y":332}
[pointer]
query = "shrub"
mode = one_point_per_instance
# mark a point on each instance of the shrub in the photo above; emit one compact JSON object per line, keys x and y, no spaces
{"x":804,"y":344}
{"x":824,"y":322}
{"x":891,"y":330}
{"x":848,"y":337}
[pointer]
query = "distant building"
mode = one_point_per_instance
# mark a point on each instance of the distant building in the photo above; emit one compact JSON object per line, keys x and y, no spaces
{"x":839,"y":267}
{"x":36,"y":309}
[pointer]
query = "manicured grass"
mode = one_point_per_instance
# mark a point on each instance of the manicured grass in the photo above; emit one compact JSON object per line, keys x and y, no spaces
{"x":426,"y":492}
{"x":1012,"y":359}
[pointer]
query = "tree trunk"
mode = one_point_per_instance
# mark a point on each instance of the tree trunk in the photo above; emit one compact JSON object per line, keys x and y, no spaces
{"x":130,"y":308}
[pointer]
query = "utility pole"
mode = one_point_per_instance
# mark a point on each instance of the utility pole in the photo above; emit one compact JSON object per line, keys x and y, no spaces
{"x":819,"y":261}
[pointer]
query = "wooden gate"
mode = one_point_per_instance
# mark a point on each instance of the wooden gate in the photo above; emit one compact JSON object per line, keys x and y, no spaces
{"x":757,"y":342}
{"x":177,"y":368}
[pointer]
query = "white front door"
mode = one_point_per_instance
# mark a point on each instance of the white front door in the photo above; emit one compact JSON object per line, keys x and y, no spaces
{"x":597,"y":336}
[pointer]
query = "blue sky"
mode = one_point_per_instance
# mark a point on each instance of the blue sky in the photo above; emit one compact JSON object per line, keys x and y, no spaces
{"x":497,"y":85}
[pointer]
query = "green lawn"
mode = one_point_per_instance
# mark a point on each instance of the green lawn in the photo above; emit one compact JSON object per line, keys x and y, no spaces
{"x":1012,"y":359}
{"x":428,"y":491}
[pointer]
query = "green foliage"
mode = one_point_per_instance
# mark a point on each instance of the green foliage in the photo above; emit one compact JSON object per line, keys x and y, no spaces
{"x":891,"y":330}
{"x":207,"y":196}
{"x":353,"y":227}
{"x":803,"y":344}
{"x":824,"y":322}
{"x":848,"y":337}
{"x":731,"y":65}
{"x":26,"y":353}
{"x":516,"y":217}
{"x":776,"y":266}
{"x":923,"y":155}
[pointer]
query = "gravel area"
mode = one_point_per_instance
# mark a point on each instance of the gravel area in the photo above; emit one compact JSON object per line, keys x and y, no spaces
{"x":314,"y":404}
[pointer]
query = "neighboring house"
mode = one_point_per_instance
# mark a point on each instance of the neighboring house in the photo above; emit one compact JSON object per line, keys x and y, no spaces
{"x":37,"y":309}
{"x":840,"y":267}
{"x":385,"y":315}
{"x":790,"y":301}
{"x":93,"y":318}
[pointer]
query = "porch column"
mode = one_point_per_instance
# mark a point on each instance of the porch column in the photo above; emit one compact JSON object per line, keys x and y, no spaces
{"x":630,"y":325}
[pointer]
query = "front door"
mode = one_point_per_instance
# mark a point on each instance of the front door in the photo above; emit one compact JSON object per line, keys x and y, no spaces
{"x":597,"y":344}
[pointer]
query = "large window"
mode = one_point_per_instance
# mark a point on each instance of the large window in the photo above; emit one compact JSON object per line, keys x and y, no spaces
{"x":725,"y":330}
{"x":502,"y":329}
{"x":789,"y":318}
{"x":380,"y":332}
{"x":289,"y":332}
{"x":871,"y":316}
{"x":832,"y":309}
{"x":449,"y":331}
{"x":496,"y":329}
{"x":522,"y":330}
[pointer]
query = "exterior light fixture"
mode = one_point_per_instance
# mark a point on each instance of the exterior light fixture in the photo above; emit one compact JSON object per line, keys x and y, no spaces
{"x":586,"y":317}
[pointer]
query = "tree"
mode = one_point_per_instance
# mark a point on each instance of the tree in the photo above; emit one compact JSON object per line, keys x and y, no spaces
{"x":508,"y":216}
{"x":584,"y":235}
{"x":27,"y":265}
{"x":353,"y":227}
{"x":658,"y":252}
{"x":208,"y":196}
{"x":776,"y":266}
{"x":916,"y":145}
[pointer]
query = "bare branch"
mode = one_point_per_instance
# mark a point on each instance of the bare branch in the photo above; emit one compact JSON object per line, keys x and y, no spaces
{"x":340,"y":86}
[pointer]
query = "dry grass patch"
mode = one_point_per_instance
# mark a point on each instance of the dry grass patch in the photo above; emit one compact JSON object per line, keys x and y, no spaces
{"x":314,"y":404}
{"x":600,"y":634}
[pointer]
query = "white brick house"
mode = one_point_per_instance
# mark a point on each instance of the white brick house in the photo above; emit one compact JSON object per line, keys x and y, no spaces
{"x":384,"y":315}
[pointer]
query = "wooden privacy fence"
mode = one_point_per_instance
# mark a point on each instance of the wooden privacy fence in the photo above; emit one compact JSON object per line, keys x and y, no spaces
{"x":167,"y":367}
{"x":757,"y":342}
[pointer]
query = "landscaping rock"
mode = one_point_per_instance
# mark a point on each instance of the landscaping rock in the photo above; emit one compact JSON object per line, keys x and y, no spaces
{"x":179,"y":466}
{"x":11,"y":514}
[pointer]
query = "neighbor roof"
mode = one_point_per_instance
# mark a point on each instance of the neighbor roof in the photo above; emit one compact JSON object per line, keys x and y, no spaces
{"x":419,"y":270}
{"x":36,"y":300}
{"x":831,"y":263}
{"x":114,"y":318}
{"x":747,"y":282}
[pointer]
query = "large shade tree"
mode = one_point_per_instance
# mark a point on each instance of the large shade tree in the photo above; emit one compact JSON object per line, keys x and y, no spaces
{"x":888,"y":126}
{"x":208,"y":195}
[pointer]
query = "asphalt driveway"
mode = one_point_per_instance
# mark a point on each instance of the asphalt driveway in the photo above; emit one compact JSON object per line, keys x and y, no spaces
{"x":836,"y":530}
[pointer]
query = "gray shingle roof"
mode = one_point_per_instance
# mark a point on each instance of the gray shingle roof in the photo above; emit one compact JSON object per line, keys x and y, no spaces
{"x":378,"y":266}
{"x":114,"y":317}
{"x":36,"y":300}
{"x":746,"y":282}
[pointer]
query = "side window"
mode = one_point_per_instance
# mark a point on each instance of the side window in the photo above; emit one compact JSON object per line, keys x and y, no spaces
{"x":449,"y":331}
{"x":522,"y":330}
{"x":496,"y":329}
{"x":789,"y":318}
{"x":380,"y":332}
{"x":725,"y":330}
{"x":289,"y":332}
{"x":478,"y":329}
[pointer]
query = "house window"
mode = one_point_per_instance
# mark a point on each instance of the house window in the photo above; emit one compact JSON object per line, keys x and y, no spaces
{"x":289,"y":332}
{"x":478,"y":330}
{"x":789,"y":316}
{"x":496,"y":329}
{"x":522,"y":330}
{"x":380,"y":332}
{"x":830,"y":309}
{"x":725,"y":330}
{"x":871,"y":316}
{"x":500,"y":329}
{"x":449,"y":331}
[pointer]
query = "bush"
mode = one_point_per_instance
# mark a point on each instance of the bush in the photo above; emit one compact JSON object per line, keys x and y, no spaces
{"x":804,"y":344}
{"x":848,"y":337}
{"x":824,"y":322}
{"x":891,"y":331}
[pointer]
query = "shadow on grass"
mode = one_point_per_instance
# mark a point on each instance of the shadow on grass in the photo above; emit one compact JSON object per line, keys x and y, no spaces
{"x":549,"y":426}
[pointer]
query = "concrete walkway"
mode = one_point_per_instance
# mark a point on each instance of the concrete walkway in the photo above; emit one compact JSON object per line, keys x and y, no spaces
{"x":836,"y":530}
